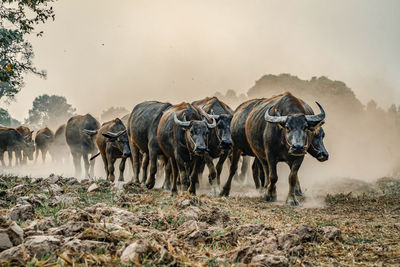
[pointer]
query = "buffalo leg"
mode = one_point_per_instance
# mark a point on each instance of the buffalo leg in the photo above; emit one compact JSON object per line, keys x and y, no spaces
{"x":91,"y":164}
{"x":122,"y":169}
{"x":244,"y":168}
{"x":36,"y":154}
{"x":175,"y":174}
{"x":85,"y":157}
{"x":2,"y":158}
{"x":167,"y":178}
{"x":269,"y":168}
{"x":44,"y":152}
{"x":194,"y":176}
{"x":298,"y":190}
{"x":183,"y":175}
{"x":293,"y":179}
{"x":145,"y":165}
{"x":10,"y":158}
{"x":135,"y":164}
{"x":105,"y":162}
{"x":220,"y":165}
{"x":76,"y":156}
{"x":111,"y":162}
{"x":232,"y":170}
{"x":256,"y":173}
{"x":211,"y":169}
{"x":151,"y":180}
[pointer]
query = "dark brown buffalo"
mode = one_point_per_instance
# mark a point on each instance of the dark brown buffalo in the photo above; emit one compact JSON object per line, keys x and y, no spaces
{"x":182,"y":136}
{"x":44,"y":139}
{"x":12,"y":140}
{"x":220,"y":143}
{"x":142,"y":133}
{"x":285,"y":137}
{"x":30,"y":149}
{"x":112,"y":142}
{"x":80,"y":134}
{"x":59,"y":149}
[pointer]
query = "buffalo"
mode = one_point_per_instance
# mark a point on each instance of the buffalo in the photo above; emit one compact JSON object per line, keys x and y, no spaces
{"x":112,"y":142}
{"x":182,"y":136}
{"x":142,"y":133}
{"x":80,"y":134}
{"x":275,"y":129}
{"x":30,"y":149}
{"x":44,"y":139}
{"x":219,"y":143}
{"x":12,"y":140}
{"x":59,"y":148}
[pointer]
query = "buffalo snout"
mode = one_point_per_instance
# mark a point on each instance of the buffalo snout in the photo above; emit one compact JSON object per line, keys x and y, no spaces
{"x":297,"y":150}
{"x":323,"y":156}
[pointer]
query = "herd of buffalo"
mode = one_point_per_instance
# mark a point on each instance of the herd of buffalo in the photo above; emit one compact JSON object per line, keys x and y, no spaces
{"x":185,"y":138}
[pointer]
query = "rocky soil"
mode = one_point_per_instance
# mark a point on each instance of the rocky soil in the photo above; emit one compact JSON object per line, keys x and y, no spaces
{"x":63,"y":221}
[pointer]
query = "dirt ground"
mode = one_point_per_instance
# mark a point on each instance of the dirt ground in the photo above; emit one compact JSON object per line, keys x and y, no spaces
{"x":57,"y":221}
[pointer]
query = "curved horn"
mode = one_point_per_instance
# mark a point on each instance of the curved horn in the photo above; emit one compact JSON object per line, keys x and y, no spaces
{"x":89,"y":132}
{"x":274,"y":119}
{"x":181,"y":123}
{"x":114,"y":135}
{"x":316,"y":118}
{"x":212,"y":125}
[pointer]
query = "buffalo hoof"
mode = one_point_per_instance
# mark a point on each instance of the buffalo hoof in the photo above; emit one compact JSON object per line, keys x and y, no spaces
{"x":269,"y":198}
{"x":293,"y":203}
{"x":224,"y":193}
{"x":298,"y":192}
{"x":174,"y":192}
{"x":121,"y":179}
{"x":166,"y":187}
{"x":150,"y":184}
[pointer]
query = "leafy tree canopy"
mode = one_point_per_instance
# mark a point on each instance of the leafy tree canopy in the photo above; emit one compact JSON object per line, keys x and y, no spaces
{"x":49,"y":110}
{"x":17,"y":20}
{"x":6,"y":119}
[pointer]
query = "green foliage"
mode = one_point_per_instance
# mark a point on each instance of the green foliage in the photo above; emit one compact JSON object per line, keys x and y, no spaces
{"x":6,"y":119}
{"x":17,"y":20}
{"x":49,"y":110}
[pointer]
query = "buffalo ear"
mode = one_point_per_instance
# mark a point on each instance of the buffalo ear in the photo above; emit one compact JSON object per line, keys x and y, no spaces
{"x":315,"y":126}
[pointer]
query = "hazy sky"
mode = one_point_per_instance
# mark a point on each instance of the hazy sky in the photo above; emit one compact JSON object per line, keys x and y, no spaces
{"x":101,"y":53}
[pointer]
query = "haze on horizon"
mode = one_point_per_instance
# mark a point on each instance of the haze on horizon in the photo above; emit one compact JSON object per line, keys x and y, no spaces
{"x":99,"y":54}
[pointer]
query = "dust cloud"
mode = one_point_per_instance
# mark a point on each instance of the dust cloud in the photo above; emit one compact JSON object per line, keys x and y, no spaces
{"x":127,"y":52}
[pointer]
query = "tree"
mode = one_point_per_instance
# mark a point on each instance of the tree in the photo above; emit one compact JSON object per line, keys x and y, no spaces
{"x":6,"y":119}
{"x":17,"y":20}
{"x":112,"y":113}
{"x":49,"y":110}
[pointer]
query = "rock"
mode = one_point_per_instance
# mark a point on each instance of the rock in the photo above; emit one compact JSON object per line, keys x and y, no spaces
{"x":70,"y":228}
{"x":288,"y":240}
{"x":16,"y":253}
{"x":52,"y":179}
{"x":19,"y":189}
{"x":214,"y":216}
{"x":53,"y":188}
{"x":10,"y":235}
{"x":182,"y":203}
{"x":21,"y":212}
{"x":71,"y":181}
{"x":198,"y":236}
{"x":191,"y":213}
{"x":269,"y":260}
{"x":332,"y":233}
{"x":42,"y":245}
{"x":93,"y":188}
{"x":63,"y":200}
{"x":251,"y":229}
{"x":40,"y":225}
{"x":77,"y":245}
{"x":306,"y":233}
{"x":137,"y":251}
